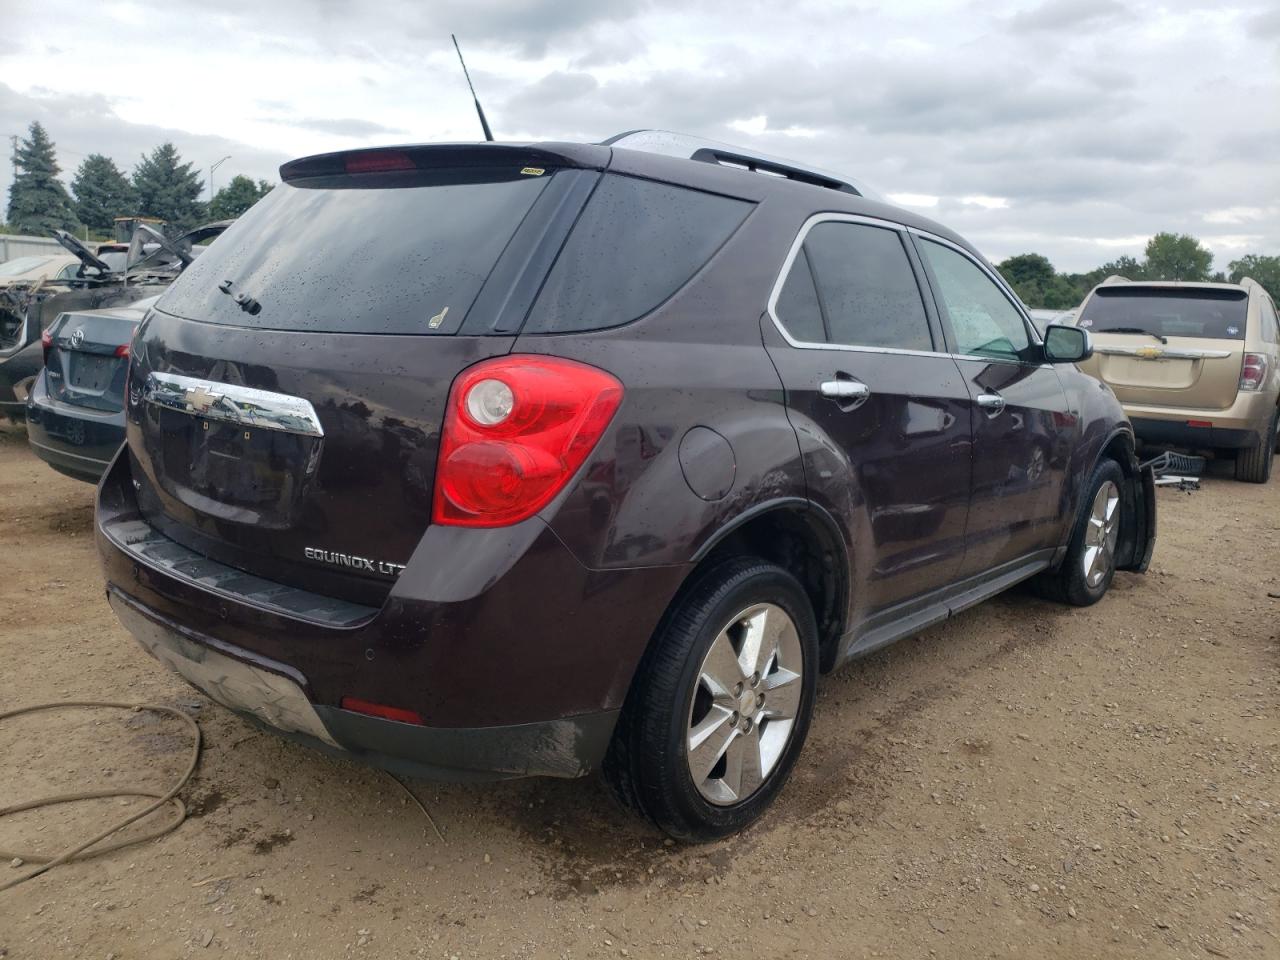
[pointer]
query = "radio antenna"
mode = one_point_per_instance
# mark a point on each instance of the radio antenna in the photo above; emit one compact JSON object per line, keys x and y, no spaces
{"x":484,"y":124}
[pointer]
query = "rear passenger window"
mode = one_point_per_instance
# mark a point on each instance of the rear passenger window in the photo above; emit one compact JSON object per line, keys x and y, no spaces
{"x":983,"y":320}
{"x":636,"y":243}
{"x":852,"y":284}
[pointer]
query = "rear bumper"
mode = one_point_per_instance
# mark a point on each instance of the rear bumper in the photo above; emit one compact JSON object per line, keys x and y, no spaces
{"x":77,"y":441}
{"x":271,"y":694}
{"x":1174,"y":433}
{"x":1240,"y":426}
{"x":516,"y":657}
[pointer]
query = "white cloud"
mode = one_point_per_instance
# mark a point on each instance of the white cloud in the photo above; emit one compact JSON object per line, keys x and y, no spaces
{"x":753,"y":126}
{"x":987,"y":203}
{"x":1073,"y":128}
{"x":1241,"y":214}
{"x":913,"y":199}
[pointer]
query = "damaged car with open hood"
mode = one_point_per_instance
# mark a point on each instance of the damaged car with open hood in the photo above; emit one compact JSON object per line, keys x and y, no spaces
{"x":107,"y":278}
{"x":75,"y":403}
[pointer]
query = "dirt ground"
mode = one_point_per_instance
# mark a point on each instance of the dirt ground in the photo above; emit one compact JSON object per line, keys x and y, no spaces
{"x":1025,"y":781}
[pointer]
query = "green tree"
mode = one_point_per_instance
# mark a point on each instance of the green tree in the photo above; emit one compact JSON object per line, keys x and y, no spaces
{"x":1027,"y":268}
{"x":38,"y":202}
{"x":1124,"y":266}
{"x":1030,"y":275}
{"x":1064,"y":292}
{"x":236,"y":197}
{"x":102,"y":192}
{"x":1264,"y":269}
{"x":1172,"y":256}
{"x":168,"y":188}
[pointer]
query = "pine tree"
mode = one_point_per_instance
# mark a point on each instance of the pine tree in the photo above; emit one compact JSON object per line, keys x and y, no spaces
{"x":102,"y":192}
{"x":168,"y":188}
{"x":236,"y":197}
{"x":38,"y":202}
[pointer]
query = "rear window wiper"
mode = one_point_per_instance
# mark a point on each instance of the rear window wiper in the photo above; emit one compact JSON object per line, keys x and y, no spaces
{"x":1147,"y":333}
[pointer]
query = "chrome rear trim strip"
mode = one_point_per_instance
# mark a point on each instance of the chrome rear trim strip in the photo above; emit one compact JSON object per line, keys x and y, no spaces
{"x":1163,"y":353}
{"x":232,"y":403}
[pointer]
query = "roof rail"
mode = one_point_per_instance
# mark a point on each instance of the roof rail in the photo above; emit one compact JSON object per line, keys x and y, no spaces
{"x":709,"y":151}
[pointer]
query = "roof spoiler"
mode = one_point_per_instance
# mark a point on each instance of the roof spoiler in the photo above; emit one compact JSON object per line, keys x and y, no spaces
{"x":437,"y":155}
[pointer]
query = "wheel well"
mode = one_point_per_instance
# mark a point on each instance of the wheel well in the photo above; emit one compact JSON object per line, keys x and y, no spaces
{"x":794,"y":539}
{"x":1120,"y":449}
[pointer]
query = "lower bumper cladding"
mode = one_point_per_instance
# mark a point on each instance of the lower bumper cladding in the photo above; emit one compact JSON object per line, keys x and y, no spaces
{"x":274,"y":695}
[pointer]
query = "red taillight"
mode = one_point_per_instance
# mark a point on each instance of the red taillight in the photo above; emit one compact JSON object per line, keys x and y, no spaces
{"x":122,"y":351}
{"x":378,"y":161}
{"x":516,"y":429}
{"x":1253,"y":372}
{"x":370,"y":709}
{"x":46,"y":344}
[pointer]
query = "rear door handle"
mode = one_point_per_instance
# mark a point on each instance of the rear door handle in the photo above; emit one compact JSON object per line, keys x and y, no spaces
{"x":993,"y":403}
{"x":848,"y":394}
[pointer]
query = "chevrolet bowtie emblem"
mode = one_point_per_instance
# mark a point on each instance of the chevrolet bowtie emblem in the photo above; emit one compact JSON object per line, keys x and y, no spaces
{"x":200,"y":399}
{"x":1149,"y":353}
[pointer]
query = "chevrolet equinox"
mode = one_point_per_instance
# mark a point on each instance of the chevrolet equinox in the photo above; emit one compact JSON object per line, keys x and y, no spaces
{"x":495,"y":460}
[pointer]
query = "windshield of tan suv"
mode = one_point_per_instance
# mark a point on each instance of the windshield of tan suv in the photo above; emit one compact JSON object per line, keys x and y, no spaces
{"x":1167,"y":312}
{"x":384,"y":253}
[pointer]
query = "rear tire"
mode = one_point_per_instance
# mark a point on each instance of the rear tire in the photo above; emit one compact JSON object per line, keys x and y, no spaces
{"x":704,"y":743}
{"x":1090,"y":564}
{"x":1254,"y":465}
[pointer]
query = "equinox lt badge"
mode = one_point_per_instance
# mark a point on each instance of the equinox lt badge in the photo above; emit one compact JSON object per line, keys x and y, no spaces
{"x":350,"y":560}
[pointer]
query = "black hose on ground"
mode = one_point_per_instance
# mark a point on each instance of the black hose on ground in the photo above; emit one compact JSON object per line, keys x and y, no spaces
{"x":82,"y":851}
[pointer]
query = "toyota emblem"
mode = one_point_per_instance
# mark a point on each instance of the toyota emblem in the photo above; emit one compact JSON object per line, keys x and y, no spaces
{"x":77,"y":338}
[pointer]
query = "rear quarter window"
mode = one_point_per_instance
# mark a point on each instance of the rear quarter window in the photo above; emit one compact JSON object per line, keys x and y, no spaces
{"x":636,"y":243}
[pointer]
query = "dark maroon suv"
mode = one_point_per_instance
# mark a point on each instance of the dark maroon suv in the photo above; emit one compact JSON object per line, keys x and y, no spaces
{"x":496,"y":460}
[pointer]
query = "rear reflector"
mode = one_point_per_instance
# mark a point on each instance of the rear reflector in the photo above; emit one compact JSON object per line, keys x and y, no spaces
{"x":46,"y":344}
{"x":379,"y":161}
{"x":381,"y":710}
{"x":1199,"y":423}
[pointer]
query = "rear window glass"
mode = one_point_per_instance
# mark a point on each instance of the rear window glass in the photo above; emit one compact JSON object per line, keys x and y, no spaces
{"x":1167,"y":312}
{"x":636,"y":243}
{"x":383,"y":253}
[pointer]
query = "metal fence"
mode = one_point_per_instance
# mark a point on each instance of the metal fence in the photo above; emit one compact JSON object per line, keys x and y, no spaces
{"x":19,"y":246}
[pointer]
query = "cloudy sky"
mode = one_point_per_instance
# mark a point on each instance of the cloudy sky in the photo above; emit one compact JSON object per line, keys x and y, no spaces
{"x":1075,"y":128}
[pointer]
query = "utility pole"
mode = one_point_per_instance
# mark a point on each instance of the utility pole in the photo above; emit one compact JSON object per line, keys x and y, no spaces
{"x":211,"y":170}
{"x":13,"y":157}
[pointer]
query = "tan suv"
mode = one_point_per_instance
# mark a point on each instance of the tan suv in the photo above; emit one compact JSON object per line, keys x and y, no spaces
{"x":1196,"y":365}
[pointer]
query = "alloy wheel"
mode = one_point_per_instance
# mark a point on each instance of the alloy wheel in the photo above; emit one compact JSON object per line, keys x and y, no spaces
{"x":1101,"y":534}
{"x":744,"y":706}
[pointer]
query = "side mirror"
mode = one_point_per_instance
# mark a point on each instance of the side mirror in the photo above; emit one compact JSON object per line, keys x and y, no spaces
{"x":1064,"y":344}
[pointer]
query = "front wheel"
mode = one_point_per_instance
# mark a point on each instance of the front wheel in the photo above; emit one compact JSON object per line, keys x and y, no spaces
{"x":1090,"y":564}
{"x":721,"y":705}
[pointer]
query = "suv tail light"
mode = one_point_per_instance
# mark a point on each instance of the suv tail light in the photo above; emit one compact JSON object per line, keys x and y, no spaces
{"x":46,"y":344}
{"x":1253,"y":372}
{"x":515,"y":430}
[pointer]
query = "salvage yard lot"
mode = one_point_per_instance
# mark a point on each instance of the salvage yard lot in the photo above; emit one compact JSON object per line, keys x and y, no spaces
{"x":1029,"y":780}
